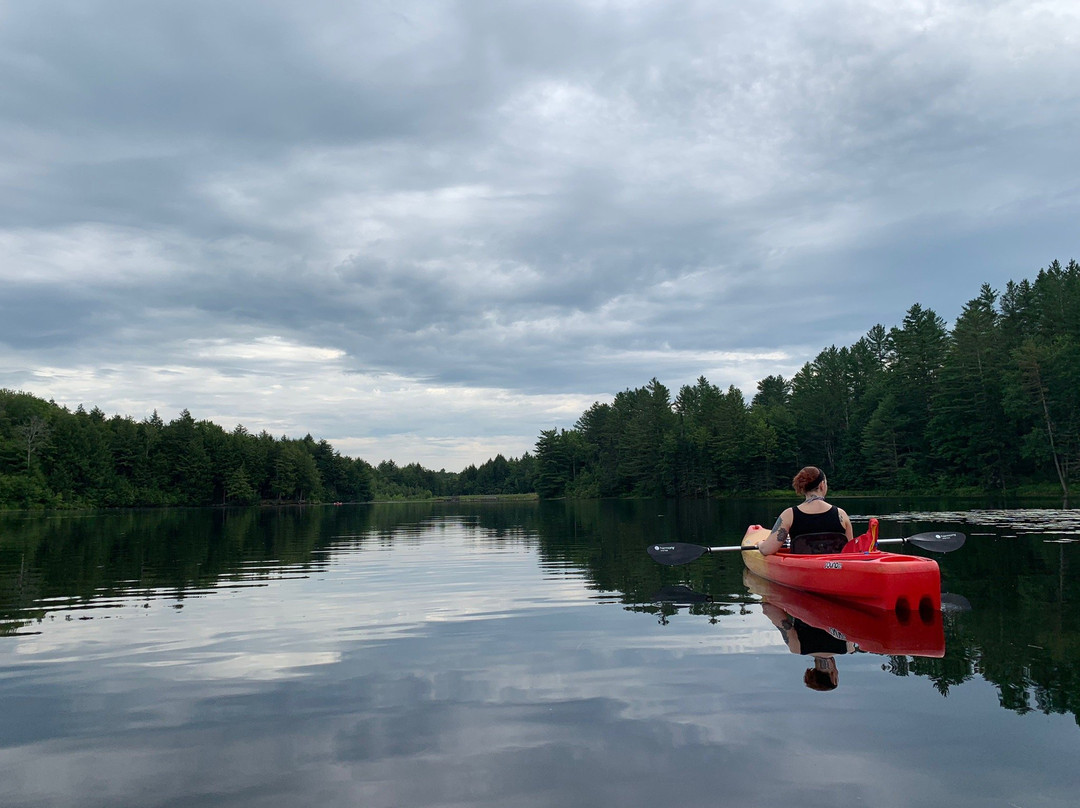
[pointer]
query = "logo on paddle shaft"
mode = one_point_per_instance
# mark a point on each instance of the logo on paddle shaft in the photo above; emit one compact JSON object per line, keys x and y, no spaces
{"x":834,"y":565}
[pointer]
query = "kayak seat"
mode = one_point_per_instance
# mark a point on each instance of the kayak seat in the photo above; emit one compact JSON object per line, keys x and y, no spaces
{"x":818,"y":543}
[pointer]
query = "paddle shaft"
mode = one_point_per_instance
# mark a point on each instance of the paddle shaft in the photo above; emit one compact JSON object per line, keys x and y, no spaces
{"x":921,"y":540}
{"x":680,"y":553}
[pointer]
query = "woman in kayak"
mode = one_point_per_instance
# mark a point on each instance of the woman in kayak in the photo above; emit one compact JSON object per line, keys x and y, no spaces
{"x":814,"y":515}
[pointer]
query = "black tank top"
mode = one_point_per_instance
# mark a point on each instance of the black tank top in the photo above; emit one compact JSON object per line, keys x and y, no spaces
{"x":813,"y":640}
{"x":824,"y":522}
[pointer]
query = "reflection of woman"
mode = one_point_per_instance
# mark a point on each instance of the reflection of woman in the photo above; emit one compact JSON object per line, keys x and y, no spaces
{"x":802,"y":638}
{"x":814,"y":515}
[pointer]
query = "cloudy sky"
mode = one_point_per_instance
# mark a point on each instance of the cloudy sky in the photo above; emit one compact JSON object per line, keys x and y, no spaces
{"x":426,"y":230}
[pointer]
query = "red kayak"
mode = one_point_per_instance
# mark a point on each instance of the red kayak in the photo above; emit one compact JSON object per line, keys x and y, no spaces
{"x":872,"y":578}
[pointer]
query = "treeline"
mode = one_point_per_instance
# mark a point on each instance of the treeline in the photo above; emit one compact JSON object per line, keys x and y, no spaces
{"x":498,"y":475}
{"x":52,"y":457}
{"x":993,"y":404}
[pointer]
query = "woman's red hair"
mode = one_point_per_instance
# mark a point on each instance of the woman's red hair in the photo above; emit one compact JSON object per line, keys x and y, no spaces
{"x":818,"y":680}
{"x":805,"y":480}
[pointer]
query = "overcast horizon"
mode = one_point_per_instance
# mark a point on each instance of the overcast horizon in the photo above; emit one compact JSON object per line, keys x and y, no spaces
{"x":425,"y":231}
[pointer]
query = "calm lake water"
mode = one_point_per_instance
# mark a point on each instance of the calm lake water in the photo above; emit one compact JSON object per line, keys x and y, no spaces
{"x":518,"y":655}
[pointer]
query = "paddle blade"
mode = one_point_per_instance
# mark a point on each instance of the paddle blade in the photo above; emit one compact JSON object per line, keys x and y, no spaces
{"x":937,"y":541}
{"x":678,"y":553}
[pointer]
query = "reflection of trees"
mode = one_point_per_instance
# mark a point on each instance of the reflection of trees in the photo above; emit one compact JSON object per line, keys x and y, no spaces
{"x":1023,"y":635}
{"x":606,"y":539}
{"x":953,"y":669}
{"x":669,"y":600}
{"x":75,"y":559}
{"x":999,"y":648}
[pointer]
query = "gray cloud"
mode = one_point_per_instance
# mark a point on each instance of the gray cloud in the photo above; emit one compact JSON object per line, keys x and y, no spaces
{"x":533,"y":198}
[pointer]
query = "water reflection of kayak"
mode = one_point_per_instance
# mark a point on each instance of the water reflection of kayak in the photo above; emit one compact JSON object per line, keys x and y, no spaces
{"x":877,"y":579}
{"x":878,"y":631}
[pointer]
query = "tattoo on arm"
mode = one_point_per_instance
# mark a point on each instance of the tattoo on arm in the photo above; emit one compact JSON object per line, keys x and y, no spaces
{"x":780,"y":531}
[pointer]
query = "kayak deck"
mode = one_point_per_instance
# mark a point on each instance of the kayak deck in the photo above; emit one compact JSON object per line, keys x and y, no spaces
{"x":876,"y":579}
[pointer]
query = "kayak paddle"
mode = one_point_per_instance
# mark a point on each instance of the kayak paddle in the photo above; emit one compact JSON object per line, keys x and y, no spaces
{"x":676,"y":553}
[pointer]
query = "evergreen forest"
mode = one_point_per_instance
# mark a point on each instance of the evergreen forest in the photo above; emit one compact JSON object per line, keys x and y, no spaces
{"x":51,"y":457}
{"x":992,"y":405}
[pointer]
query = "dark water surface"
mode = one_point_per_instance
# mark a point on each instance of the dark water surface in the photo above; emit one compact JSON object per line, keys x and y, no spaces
{"x":515,"y":655}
